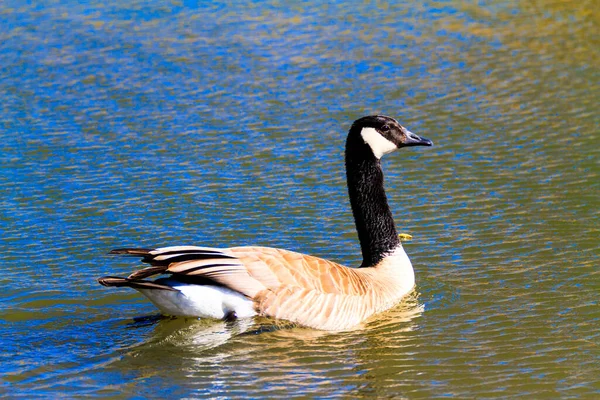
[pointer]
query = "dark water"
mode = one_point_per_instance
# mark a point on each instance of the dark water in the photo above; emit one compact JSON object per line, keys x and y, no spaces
{"x":145,"y":123}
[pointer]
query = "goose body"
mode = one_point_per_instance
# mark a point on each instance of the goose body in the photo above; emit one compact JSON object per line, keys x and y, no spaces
{"x":241,"y":282}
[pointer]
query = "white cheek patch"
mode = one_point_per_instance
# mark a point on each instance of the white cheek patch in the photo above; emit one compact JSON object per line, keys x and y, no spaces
{"x":378,"y":143}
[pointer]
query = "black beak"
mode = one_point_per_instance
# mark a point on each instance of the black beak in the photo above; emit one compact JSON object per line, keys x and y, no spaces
{"x":414,"y":140}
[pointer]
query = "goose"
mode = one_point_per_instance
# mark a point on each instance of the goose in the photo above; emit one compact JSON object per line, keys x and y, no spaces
{"x":241,"y":282}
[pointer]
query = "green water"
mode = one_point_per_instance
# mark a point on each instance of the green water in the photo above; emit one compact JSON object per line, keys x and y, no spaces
{"x":221,"y":124}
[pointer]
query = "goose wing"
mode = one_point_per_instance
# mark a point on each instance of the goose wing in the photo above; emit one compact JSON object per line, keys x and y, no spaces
{"x":249,"y":270}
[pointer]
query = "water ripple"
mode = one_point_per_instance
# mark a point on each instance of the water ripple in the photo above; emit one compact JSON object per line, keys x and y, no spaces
{"x":129,"y":123}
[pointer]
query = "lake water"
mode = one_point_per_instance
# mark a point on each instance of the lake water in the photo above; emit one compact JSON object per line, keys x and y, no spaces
{"x":137,"y":123}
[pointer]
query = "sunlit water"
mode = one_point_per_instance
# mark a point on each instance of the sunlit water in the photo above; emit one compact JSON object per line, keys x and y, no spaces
{"x":132,"y":123}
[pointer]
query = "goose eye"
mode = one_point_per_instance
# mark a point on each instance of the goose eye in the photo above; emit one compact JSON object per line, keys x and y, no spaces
{"x":385,"y":128}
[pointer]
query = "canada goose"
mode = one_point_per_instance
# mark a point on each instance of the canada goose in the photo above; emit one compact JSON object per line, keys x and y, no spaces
{"x":240,"y":282}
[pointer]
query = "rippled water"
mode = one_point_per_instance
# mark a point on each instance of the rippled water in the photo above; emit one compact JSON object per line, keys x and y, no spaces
{"x":137,"y":123}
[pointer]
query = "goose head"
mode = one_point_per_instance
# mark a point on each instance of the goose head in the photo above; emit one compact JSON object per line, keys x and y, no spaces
{"x":382,"y":135}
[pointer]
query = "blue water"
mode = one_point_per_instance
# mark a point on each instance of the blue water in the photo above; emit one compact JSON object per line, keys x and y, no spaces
{"x":221,"y":124}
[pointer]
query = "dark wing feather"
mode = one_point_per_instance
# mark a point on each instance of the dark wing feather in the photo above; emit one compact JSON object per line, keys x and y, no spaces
{"x":131,"y":251}
{"x":147,"y":272}
{"x":133,"y":283}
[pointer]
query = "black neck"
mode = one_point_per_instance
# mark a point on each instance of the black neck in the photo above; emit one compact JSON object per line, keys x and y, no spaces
{"x":374,"y":222}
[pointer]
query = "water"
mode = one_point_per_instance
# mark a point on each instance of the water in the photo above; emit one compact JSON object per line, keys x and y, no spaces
{"x":145,"y":124}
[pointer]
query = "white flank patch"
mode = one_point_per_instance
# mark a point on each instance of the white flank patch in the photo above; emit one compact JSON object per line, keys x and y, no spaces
{"x":202,"y":301}
{"x":379,"y":145}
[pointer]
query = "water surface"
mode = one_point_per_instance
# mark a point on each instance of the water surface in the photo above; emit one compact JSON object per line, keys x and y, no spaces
{"x":145,"y":124}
